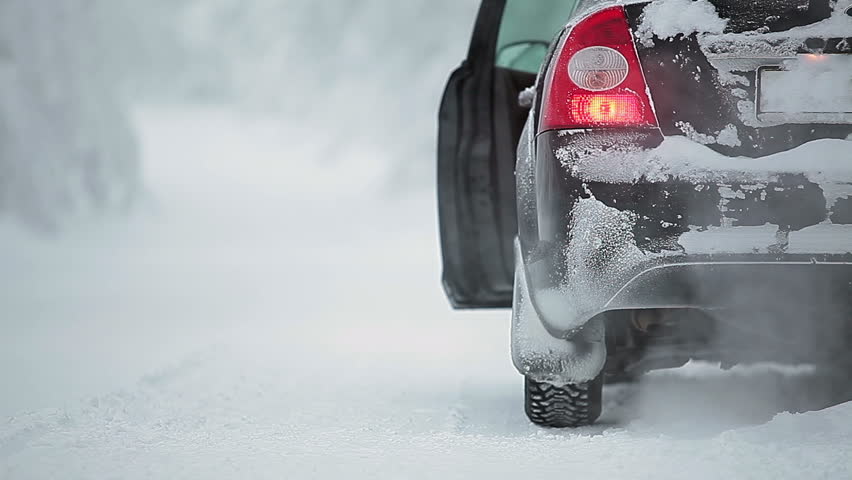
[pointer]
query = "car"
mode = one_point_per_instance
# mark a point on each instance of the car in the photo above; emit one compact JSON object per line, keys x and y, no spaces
{"x":646,"y":183}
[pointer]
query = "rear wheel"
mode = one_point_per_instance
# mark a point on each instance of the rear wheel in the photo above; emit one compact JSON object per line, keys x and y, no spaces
{"x":573,"y":405}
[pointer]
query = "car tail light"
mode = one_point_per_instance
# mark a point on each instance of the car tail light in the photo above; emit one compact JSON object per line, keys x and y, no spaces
{"x":595,"y":79}
{"x":598,"y":68}
{"x":606,"y":109}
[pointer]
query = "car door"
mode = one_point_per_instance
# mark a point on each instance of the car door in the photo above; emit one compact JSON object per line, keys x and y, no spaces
{"x":480,"y":122}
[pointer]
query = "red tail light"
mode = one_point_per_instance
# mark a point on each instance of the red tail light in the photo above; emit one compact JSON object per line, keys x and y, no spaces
{"x":595,"y":79}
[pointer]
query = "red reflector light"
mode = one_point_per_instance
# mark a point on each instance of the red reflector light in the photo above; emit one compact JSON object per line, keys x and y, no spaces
{"x":607,"y":109}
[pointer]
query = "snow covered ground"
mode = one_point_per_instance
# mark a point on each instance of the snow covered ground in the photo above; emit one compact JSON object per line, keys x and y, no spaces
{"x":268,"y":316}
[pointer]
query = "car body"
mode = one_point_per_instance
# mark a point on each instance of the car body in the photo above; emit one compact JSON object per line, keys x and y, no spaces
{"x":684,"y":170}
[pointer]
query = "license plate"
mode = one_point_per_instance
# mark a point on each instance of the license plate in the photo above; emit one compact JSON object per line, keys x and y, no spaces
{"x":810,"y":88}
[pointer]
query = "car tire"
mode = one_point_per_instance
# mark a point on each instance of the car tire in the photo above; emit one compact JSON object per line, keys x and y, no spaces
{"x":568,"y":406}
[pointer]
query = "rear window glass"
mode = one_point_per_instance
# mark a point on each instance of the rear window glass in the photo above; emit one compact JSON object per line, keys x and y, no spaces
{"x":527,"y":29}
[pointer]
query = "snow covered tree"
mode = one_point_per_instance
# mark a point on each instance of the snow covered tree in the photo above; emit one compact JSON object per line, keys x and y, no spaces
{"x":66,"y":147}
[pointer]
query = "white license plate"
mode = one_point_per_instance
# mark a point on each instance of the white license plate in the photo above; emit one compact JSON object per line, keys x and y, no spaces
{"x":811,"y":88}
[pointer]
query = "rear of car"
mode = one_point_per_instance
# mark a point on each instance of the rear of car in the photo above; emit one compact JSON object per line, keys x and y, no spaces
{"x":684,"y":164}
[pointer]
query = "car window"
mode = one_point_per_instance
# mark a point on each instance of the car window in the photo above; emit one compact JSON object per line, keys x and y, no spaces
{"x":527,"y":29}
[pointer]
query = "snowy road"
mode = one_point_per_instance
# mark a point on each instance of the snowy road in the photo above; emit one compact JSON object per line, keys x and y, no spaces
{"x":266,"y":316}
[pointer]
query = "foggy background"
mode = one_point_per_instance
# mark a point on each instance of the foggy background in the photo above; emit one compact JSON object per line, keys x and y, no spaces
{"x":138,"y":139}
{"x":355,"y":81}
{"x":219,"y":257}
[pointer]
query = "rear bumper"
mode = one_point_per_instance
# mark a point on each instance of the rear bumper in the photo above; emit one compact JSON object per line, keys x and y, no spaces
{"x":641,"y":224}
{"x":737,"y":282}
{"x":799,"y":301}
{"x":692,"y":281}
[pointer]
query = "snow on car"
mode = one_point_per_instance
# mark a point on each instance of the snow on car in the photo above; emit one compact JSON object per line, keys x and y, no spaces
{"x":678,"y":163}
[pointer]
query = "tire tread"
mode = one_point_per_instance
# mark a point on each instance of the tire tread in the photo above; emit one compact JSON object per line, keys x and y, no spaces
{"x":568,"y":406}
